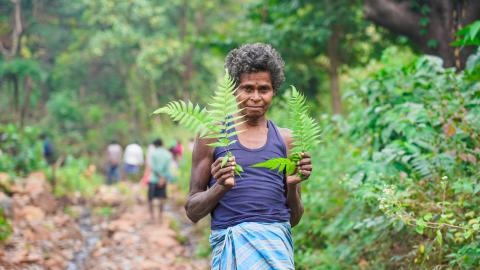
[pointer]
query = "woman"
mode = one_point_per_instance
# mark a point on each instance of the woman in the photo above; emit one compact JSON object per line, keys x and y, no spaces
{"x":252,"y":214}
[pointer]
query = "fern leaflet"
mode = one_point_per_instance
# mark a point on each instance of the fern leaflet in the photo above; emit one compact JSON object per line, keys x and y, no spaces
{"x":217,"y":122}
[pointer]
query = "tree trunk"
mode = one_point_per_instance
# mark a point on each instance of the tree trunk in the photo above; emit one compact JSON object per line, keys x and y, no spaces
{"x":153,"y":94}
{"x":26,"y":100}
{"x":16,"y":33}
{"x":334,"y":63}
{"x":441,"y":23}
{"x":187,"y":60}
{"x":16,"y":96}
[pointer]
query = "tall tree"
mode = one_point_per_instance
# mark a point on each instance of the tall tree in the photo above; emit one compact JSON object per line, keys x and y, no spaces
{"x":429,"y":24}
{"x":16,"y":63}
{"x":10,"y":46}
{"x":316,"y":39}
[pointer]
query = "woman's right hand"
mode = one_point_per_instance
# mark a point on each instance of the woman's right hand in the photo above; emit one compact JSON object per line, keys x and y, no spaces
{"x":225,"y":176}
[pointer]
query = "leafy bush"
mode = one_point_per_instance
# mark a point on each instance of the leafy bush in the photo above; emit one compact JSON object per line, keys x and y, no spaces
{"x":65,"y":110}
{"x":5,"y":227}
{"x":421,"y":127}
{"x":20,"y":150}
{"x":398,"y":187}
{"x":78,"y":176}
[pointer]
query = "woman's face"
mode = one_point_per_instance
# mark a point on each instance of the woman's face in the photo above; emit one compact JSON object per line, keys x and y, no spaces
{"x":255,"y":93}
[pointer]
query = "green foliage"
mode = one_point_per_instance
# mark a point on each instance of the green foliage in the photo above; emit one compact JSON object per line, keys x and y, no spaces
{"x":20,"y":150}
{"x":396,"y":186}
{"x":422,"y":124}
{"x":302,"y":30}
{"x":5,"y":227}
{"x":218,"y":122}
{"x":325,"y":238}
{"x":77,"y":176}
{"x":65,"y":111}
{"x":21,"y":68}
{"x":469,"y":35}
{"x":184,"y":169}
{"x":104,"y":211}
{"x":279,"y":164}
{"x":305,"y":135}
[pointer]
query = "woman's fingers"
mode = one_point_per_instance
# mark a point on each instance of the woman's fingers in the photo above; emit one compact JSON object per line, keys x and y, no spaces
{"x":294,"y":179}
{"x":224,"y":172}
{"x":305,"y":173}
{"x":217,"y":164}
{"x":305,"y":167}
{"x":305,"y":155}
{"x":304,"y":161}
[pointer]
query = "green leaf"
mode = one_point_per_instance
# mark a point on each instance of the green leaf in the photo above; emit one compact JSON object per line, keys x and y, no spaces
{"x":224,"y":161}
{"x":290,"y":169}
{"x":279,"y":164}
{"x":238,"y":169}
{"x":217,"y":144}
{"x":420,"y":226}
{"x":222,"y":115}
{"x":305,"y":130}
{"x":428,"y":217}
{"x":439,"y":237}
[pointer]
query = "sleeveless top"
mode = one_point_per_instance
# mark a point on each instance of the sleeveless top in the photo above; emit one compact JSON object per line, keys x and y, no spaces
{"x":259,"y":194}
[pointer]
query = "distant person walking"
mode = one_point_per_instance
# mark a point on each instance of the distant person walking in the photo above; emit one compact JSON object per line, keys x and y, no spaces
{"x":178,"y":151}
{"x":114,"y":157}
{"x":133,"y":159}
{"x":159,"y":163}
{"x":148,"y":171}
{"x":48,"y":149}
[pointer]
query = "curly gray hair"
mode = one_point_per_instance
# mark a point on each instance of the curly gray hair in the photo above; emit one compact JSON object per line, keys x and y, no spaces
{"x":257,"y":57}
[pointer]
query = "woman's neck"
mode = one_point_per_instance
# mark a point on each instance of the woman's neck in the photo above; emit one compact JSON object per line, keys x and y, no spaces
{"x":258,"y":122}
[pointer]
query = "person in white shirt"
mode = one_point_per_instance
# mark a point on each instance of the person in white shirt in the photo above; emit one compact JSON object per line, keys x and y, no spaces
{"x":133,"y":159}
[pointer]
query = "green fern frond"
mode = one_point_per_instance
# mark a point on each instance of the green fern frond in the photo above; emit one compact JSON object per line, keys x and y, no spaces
{"x":217,"y":122}
{"x":279,"y":164}
{"x":191,"y":116}
{"x":305,"y":130}
{"x":422,"y":167}
{"x":306,"y":135}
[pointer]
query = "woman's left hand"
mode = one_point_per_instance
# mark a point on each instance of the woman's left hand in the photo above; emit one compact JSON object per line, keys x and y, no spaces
{"x":304,"y":167}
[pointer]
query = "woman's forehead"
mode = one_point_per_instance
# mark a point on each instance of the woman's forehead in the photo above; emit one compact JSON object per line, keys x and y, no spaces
{"x":258,"y":77}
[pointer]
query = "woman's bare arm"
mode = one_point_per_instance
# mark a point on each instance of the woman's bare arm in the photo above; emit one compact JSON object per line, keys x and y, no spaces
{"x":202,"y":200}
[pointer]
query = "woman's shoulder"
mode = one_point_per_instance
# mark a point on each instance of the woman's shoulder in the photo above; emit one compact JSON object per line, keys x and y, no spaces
{"x":201,"y":146}
{"x":286,"y":135}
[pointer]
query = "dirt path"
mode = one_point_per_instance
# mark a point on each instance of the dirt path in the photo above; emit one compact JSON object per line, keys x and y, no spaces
{"x":110,"y":230}
{"x":131,"y":241}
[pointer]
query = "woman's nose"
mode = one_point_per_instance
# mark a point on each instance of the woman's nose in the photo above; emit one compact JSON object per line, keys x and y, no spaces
{"x":255,"y":96}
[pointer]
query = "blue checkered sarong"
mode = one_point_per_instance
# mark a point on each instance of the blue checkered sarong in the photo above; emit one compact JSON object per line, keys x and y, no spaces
{"x":253,"y":245}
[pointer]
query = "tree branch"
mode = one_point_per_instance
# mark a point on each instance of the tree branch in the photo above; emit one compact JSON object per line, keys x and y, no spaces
{"x":395,"y":16}
{"x":17,"y":32}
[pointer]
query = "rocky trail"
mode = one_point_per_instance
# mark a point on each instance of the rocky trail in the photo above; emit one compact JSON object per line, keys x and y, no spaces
{"x":112,"y":230}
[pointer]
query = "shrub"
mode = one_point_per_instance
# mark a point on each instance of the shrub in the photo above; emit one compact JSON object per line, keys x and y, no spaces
{"x":20,"y":150}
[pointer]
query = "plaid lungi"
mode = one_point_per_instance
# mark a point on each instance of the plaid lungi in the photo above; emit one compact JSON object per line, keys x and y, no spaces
{"x":253,"y":245}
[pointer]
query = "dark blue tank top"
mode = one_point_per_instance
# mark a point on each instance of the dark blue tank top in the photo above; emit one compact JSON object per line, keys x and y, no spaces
{"x":259,"y":194}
